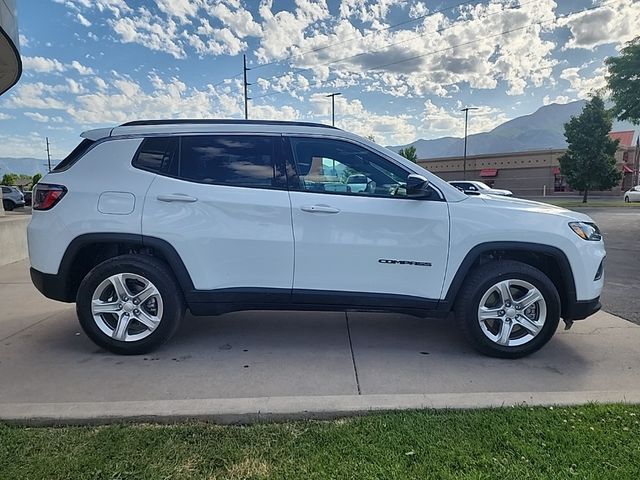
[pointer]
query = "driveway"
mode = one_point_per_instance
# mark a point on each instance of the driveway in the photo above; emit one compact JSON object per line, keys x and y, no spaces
{"x":621,"y":228}
{"x":247,"y":365}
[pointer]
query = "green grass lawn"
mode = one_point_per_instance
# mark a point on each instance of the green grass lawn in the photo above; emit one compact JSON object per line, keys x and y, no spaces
{"x":593,"y":441}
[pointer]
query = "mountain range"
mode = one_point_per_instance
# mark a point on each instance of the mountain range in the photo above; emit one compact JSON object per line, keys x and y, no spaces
{"x":541,"y":130}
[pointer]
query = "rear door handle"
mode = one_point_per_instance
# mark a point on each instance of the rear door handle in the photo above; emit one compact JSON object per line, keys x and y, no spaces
{"x":319,"y":209}
{"x":177,"y":197}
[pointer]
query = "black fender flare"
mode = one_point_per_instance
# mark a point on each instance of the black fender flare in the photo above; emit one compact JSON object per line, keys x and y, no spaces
{"x":565,"y":271}
{"x":167,"y":251}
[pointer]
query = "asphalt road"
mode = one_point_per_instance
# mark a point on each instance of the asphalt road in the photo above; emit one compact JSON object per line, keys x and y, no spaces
{"x":621,"y":228}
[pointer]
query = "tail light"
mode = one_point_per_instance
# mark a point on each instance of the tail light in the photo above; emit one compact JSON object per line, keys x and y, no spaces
{"x":46,"y":195}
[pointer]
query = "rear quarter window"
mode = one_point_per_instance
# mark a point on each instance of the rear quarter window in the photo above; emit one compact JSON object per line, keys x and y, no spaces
{"x":157,"y":155}
{"x":74,"y":156}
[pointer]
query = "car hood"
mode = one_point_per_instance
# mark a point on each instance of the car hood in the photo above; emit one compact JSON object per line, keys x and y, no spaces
{"x":497,"y":191}
{"x":529,"y":206}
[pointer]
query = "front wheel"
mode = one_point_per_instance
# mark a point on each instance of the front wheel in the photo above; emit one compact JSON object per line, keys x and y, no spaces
{"x":626,"y":199}
{"x":508,"y":309}
{"x":130,"y":304}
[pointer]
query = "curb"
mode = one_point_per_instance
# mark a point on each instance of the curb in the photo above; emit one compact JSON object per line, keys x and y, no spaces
{"x":269,"y":409}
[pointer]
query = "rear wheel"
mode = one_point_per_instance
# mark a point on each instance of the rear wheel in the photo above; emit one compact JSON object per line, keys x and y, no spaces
{"x":8,"y":205}
{"x":130,"y":304}
{"x":508,"y":309}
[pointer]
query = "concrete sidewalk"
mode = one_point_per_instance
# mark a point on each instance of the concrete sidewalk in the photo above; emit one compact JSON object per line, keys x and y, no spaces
{"x":265,"y":365}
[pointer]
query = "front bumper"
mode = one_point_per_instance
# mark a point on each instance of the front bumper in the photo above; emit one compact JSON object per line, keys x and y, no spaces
{"x":582,"y":309}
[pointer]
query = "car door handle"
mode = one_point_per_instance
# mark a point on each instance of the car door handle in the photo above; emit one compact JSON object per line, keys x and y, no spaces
{"x":319,"y":209}
{"x":177,"y":197}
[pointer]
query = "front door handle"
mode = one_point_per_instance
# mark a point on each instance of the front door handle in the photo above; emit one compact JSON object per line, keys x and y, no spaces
{"x":177,"y":197}
{"x":319,"y":209}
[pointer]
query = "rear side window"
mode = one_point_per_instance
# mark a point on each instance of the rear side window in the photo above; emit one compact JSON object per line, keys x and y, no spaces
{"x":240,"y":160}
{"x":74,"y":156}
{"x":158,"y":155}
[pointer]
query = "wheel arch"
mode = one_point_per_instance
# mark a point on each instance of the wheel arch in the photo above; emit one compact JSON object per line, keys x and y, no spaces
{"x":550,"y":260}
{"x":88,"y":250}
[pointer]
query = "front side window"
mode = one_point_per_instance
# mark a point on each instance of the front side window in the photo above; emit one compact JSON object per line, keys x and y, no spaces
{"x":341,"y":167}
{"x":241,"y":161}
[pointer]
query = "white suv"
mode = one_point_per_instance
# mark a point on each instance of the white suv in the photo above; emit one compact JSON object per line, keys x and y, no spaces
{"x":149,"y":218}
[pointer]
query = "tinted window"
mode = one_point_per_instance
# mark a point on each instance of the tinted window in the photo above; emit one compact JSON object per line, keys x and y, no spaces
{"x":342,"y":167}
{"x":75,"y":155}
{"x":157,"y":154}
{"x":242,"y":161}
{"x":6,"y":190}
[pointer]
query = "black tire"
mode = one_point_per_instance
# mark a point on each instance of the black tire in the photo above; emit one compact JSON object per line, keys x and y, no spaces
{"x":150,"y":268}
{"x":479,"y":281}
{"x":8,"y":205}
{"x":626,"y":200}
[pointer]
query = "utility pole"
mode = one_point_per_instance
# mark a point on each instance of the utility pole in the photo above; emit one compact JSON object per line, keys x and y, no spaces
{"x":333,"y":107}
{"x":48,"y":155}
{"x":246,"y":98}
{"x":466,"y":123}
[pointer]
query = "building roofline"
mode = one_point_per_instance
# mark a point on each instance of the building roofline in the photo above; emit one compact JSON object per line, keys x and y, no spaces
{"x":493,"y":155}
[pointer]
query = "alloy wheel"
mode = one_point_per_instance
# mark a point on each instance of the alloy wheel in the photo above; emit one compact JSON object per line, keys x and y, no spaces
{"x":127,"y":307}
{"x":512,"y":312}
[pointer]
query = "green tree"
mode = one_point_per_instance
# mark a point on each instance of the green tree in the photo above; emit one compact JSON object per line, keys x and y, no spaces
{"x":35,"y":179}
{"x":589,"y":163}
{"x":623,"y":80}
{"x":9,"y":179}
{"x":409,"y":153}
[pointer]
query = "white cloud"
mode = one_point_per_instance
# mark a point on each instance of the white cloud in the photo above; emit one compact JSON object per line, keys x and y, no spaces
{"x":81,"y":69}
{"x":560,"y":99}
{"x":36,"y":95}
{"x":585,"y":85}
{"x":83,"y":21}
{"x":38,"y":117}
{"x":24,"y":40}
{"x":613,"y":23}
{"x":42,"y":64}
{"x":5,"y":116}
{"x":149,"y":30}
{"x":351,"y":115}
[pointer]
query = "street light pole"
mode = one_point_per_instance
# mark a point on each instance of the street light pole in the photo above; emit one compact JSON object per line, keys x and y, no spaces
{"x":333,"y":107}
{"x":466,"y":123}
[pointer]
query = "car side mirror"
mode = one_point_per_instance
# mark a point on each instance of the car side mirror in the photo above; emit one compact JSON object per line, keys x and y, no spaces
{"x":418,"y":186}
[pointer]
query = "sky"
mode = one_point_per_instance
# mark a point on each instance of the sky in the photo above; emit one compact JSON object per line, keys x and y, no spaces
{"x":404,"y":68}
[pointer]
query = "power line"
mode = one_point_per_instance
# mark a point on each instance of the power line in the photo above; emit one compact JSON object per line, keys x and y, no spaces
{"x":505,"y":32}
{"x":352,"y":38}
{"x":387,"y":46}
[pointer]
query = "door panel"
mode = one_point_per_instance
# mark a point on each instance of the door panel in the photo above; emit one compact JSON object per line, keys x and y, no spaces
{"x":371,"y":240}
{"x":355,"y":249}
{"x":227,"y":236}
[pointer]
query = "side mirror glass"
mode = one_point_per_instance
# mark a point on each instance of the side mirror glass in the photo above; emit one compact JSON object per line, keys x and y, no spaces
{"x":418,"y":186}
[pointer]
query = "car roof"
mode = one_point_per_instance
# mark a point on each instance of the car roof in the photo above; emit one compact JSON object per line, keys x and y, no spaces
{"x":178,"y":126}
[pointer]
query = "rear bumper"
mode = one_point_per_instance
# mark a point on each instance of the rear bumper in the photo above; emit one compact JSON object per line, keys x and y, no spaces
{"x":51,"y":286}
{"x":582,"y":309}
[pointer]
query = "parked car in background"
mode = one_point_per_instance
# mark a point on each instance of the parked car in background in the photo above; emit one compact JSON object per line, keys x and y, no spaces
{"x":632,"y":195}
{"x":357,"y":183}
{"x":12,"y":198}
{"x":473,"y":187}
{"x":27,"y":197}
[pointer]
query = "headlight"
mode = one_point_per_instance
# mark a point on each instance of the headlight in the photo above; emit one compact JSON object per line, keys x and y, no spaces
{"x":586,"y":230}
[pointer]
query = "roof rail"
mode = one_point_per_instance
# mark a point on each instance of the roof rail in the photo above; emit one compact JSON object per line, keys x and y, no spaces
{"x":233,"y":121}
